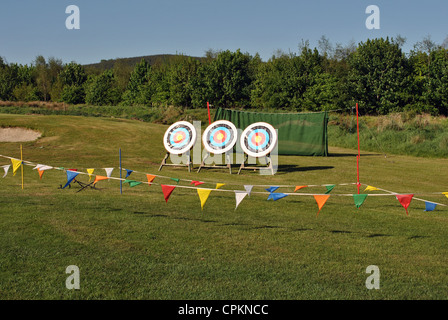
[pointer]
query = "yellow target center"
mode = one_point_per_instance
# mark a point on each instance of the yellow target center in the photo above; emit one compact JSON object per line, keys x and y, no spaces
{"x":179,"y":137}
{"x":258,"y":139}
{"x":220,"y":136}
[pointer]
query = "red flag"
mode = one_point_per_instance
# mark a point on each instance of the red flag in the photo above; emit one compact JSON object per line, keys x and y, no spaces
{"x":196,"y":183}
{"x":405,"y":200}
{"x":167,"y":190}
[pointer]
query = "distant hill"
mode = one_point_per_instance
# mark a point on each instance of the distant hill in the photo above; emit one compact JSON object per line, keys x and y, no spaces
{"x":152,"y":59}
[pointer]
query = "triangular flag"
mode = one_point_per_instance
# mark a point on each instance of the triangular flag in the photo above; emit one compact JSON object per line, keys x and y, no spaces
{"x":196,"y":183}
{"x":167,"y":190}
{"x":329,"y":188}
{"x":271,"y":189}
{"x":219,"y":185}
{"x":41,"y":172}
{"x":430,"y":206}
{"x":248,"y":189}
{"x":405,"y":200}
{"x":321,"y":199}
{"x":90,"y":172}
{"x":134,"y":183}
{"x":370,"y":188}
{"x":6,"y":168}
{"x":203,"y":196}
{"x":275,"y":196}
{"x":109,"y":172}
{"x":70,"y":176}
{"x":239,"y":196}
{"x":445,"y":193}
{"x":359,"y":199}
{"x":128,"y":172}
{"x":150,"y":178}
{"x":15,"y":165}
{"x":99,"y":178}
{"x":299,"y":187}
{"x":175,"y":179}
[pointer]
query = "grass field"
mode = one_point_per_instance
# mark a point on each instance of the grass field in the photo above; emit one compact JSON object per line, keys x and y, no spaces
{"x":136,"y":246}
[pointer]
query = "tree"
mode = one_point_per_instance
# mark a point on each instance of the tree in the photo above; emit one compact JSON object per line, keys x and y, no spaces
{"x":379,"y":77}
{"x":73,"y":78}
{"x":102,"y":89}
{"x":136,"y":88}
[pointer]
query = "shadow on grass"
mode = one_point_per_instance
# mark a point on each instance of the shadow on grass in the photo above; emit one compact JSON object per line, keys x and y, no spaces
{"x":286,"y":168}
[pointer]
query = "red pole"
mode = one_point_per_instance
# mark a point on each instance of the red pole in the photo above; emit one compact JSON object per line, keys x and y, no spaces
{"x":208,"y":109}
{"x":359,"y":151}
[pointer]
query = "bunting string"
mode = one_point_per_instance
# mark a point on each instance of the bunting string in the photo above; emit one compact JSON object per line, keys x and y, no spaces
{"x":321,"y":198}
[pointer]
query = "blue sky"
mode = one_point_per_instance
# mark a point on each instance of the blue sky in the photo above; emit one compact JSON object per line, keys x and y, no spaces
{"x":117,"y":29}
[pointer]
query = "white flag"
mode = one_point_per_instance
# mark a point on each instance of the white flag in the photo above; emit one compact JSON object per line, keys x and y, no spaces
{"x":248,"y":189}
{"x":109,"y":171}
{"x":42,"y":167}
{"x":6,"y":168}
{"x":239,"y":196}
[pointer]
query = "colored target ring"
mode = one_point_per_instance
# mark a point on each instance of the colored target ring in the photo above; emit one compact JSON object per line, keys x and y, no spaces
{"x":220,"y":136}
{"x":258,"y":139}
{"x":179,"y":137}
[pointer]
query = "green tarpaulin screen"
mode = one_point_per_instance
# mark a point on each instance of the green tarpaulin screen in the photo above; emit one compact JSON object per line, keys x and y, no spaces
{"x":303,"y":134}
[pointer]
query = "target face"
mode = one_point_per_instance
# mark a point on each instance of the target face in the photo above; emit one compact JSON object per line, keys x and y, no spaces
{"x":180,"y":137}
{"x":220,"y":137}
{"x":258,"y":139}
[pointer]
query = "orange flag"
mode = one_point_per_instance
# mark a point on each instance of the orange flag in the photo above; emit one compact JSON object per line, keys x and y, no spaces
{"x":99,"y":178}
{"x":321,"y":199}
{"x":150,"y":178}
{"x":167,"y":190}
{"x":299,"y":187}
{"x":41,"y":172}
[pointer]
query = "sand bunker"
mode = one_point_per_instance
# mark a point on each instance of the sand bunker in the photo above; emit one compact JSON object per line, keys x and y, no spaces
{"x":18,"y":135}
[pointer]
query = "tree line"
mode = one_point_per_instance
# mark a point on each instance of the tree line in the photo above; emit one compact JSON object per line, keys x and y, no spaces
{"x":376,"y":74}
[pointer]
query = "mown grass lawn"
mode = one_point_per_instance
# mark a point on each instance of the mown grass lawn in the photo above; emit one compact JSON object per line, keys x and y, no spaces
{"x":136,"y":246}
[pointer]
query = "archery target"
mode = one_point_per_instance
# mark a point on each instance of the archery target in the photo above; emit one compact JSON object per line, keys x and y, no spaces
{"x":220,"y":137}
{"x":258,"y":139}
{"x":179,"y":137}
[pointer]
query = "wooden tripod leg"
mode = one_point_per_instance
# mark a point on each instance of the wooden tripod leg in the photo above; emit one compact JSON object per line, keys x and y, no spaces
{"x":203,"y":162}
{"x":164,"y":161}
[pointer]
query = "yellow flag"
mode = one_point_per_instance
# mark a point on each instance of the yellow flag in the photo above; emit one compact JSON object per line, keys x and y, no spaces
{"x":203,"y":196}
{"x":15,"y":165}
{"x":370,"y":188}
{"x":90,"y":172}
{"x":445,"y":193}
{"x":219,"y":185}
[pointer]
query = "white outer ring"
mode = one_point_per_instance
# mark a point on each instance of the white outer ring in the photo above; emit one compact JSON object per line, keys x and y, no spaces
{"x":185,"y":148}
{"x":229,"y":146}
{"x":273,"y":138}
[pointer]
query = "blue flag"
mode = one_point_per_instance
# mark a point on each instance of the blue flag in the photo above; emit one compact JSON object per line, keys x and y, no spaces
{"x":70,"y":176}
{"x":128,"y":173}
{"x":430,"y":206}
{"x":271,"y":189}
{"x":276,"y":196}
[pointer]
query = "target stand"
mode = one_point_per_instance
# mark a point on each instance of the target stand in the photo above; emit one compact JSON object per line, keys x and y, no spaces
{"x":218,"y":138}
{"x":258,"y":140}
{"x":179,"y":138}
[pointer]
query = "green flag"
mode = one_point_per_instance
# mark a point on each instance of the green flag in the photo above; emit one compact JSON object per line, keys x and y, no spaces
{"x":329,"y":188}
{"x":359,"y":199}
{"x":175,"y":179}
